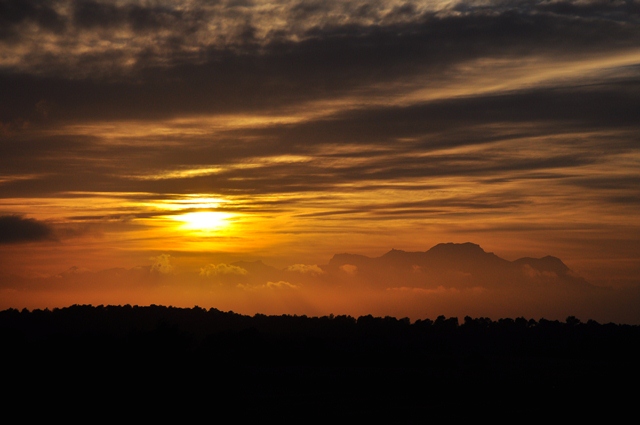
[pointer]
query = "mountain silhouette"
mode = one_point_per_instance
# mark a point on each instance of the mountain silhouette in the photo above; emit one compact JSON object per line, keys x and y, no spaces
{"x":446,"y":265}
{"x":454,"y":264}
{"x":547,"y":264}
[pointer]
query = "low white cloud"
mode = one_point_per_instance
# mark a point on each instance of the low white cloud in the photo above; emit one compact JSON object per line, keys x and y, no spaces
{"x":222,"y":269}
{"x":349,"y":269}
{"x":439,"y":290}
{"x":312,"y":269}
{"x":162,"y":264}
{"x":280,"y":285}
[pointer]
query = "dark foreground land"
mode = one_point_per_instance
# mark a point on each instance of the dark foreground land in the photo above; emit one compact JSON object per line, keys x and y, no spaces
{"x":163,"y":362}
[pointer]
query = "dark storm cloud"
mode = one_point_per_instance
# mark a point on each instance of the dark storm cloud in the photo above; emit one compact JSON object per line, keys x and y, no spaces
{"x":173,"y":76}
{"x":622,"y":10}
{"x":16,"y":13}
{"x":16,"y":229}
{"x":139,"y":17}
{"x":91,"y":14}
{"x":60,"y":15}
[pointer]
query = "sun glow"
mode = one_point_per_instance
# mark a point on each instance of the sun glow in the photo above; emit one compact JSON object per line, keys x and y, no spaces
{"x":205,"y":221}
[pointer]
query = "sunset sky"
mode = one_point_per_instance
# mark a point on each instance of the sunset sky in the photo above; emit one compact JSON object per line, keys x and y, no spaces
{"x":167,"y":141}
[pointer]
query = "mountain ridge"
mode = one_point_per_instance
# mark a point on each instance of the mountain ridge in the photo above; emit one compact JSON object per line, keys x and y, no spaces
{"x":448,"y":249}
{"x":459,"y":259}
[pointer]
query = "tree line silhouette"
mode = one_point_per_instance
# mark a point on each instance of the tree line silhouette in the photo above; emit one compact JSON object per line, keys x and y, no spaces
{"x":359,"y":365}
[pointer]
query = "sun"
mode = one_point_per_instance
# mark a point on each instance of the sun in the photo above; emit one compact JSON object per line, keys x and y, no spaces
{"x":205,"y":221}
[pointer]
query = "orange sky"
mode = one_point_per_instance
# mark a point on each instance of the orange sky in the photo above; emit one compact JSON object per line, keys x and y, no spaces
{"x":170,"y":138}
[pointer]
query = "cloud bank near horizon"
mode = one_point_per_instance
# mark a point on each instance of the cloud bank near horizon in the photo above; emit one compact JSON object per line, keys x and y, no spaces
{"x":449,"y":279}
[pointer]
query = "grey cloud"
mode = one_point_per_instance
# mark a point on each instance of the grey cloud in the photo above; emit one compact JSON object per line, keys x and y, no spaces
{"x":140,"y":18}
{"x":310,"y":177}
{"x":620,"y":191}
{"x":555,"y":109}
{"x":16,"y":229}
{"x":330,"y":60}
{"x":94,"y":14}
{"x":307,"y":9}
{"x":624,"y":10}
{"x":608,"y":182}
{"x":16,"y":13}
{"x":423,"y":208}
{"x":433,"y":127}
{"x":631,"y":200}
